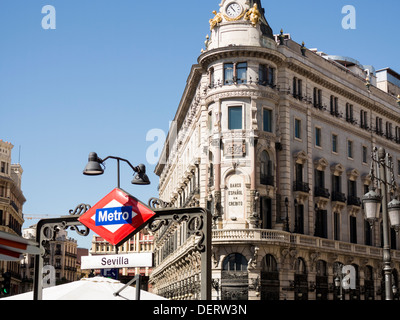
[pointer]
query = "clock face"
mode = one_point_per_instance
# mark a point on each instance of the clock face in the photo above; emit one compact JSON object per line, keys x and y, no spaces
{"x":234,"y":10}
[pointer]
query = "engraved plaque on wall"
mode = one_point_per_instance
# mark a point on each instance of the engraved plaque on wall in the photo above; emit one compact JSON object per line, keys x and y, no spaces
{"x":235,"y":197}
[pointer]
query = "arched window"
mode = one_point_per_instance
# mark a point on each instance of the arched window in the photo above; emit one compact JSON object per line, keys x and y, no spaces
{"x":300,"y":280}
{"x":234,"y":262}
{"x":321,"y":280}
{"x":269,"y":264}
{"x":234,"y":278}
{"x":269,"y":278}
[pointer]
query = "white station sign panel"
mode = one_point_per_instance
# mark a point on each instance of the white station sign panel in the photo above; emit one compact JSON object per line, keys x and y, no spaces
{"x":132,"y":260}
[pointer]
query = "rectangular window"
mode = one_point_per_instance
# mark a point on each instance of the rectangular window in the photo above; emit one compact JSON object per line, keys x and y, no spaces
{"x":353,"y":229}
{"x":241,"y":70}
{"x":317,"y":98}
{"x":318,"y":138}
{"x":297,"y":128}
{"x":350,"y":149}
{"x":363,"y":119}
{"x":263,"y":75}
{"x":334,"y":106}
{"x":334,"y":143}
{"x":228,"y":73}
{"x":336,"y":231}
{"x":271,"y":76}
{"x":234,"y":118}
{"x":266,"y":75}
{"x":3,"y":167}
{"x":267,"y":120}
{"x":349,"y":112}
{"x":365,"y":154}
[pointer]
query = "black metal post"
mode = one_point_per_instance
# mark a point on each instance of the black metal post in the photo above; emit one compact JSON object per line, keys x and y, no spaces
{"x":387,"y":269}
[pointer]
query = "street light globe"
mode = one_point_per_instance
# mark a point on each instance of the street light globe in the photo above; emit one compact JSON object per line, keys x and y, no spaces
{"x":394,"y":214}
{"x":372,"y":206}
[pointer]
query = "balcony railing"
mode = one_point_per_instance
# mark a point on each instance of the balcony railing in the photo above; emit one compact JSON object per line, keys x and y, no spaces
{"x":301,"y":186}
{"x":267,"y":180}
{"x":338,"y":196}
{"x":354,"y":201}
{"x":278,"y":236}
{"x":321,"y":192}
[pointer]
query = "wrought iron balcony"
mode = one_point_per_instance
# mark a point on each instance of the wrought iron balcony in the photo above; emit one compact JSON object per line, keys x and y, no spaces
{"x":267,"y":180}
{"x":301,"y":186}
{"x":354,"y":201}
{"x":321,"y":192}
{"x":338,"y":196}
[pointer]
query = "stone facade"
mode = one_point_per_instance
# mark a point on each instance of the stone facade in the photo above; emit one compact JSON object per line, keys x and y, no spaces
{"x":12,"y":200}
{"x":275,"y":140}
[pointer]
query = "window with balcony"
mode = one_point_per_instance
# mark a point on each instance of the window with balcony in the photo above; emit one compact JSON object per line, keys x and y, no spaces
{"x":228,"y":73}
{"x":297,"y":88}
{"x":364,"y":119}
{"x":235,"y":73}
{"x":320,"y":190}
{"x":334,"y":106}
{"x":352,"y":199}
{"x":337,"y":194}
{"x":317,"y":98}
{"x":349,"y":113}
{"x":266,"y":75}
{"x":378,"y":126}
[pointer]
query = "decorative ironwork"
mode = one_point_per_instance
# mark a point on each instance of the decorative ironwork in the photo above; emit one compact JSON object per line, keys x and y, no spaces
{"x":156,"y":203}
{"x":47,"y":230}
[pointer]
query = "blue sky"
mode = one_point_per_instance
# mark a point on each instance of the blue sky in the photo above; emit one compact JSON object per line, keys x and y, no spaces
{"x":113,"y":70}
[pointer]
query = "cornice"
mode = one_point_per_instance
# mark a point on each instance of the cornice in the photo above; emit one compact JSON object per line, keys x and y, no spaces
{"x":208,"y":57}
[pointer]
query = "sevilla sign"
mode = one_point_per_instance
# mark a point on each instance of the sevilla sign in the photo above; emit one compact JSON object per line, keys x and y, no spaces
{"x":117,"y":217}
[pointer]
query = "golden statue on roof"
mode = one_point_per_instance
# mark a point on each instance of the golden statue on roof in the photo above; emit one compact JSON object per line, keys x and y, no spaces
{"x":253,"y":15}
{"x":217,"y":19}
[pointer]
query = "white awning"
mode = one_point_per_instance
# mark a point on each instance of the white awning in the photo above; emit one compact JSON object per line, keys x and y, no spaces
{"x":13,"y":247}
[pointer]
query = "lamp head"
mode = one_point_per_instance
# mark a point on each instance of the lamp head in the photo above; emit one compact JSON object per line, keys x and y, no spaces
{"x":372,"y":205}
{"x":93,"y":167}
{"x":141,"y":177}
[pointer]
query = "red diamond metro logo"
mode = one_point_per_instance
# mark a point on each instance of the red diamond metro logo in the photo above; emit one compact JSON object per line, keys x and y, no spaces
{"x":117,"y":217}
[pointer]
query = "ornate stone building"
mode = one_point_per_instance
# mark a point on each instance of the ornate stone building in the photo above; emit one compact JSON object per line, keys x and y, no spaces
{"x":275,"y":140}
{"x":11,"y":202}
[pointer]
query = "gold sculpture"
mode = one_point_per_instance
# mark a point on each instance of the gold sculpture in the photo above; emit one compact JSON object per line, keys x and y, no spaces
{"x":253,"y":15}
{"x":217,"y":19}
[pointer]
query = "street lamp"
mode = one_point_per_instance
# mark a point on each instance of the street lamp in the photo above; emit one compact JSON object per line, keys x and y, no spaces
{"x":372,"y":206}
{"x":372,"y":202}
{"x":95,"y":167}
{"x":394,"y":214}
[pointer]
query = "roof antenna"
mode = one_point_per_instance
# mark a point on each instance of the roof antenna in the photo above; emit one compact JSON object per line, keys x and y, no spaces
{"x":19,"y":155}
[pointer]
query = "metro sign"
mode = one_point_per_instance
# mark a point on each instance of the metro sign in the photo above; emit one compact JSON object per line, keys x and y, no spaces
{"x":117,"y":217}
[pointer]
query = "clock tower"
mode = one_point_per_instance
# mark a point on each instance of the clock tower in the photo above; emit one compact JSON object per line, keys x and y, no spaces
{"x":240,"y":23}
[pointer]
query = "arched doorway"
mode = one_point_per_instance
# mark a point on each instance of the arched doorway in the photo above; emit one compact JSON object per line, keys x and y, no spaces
{"x":234,"y":278}
{"x":300,"y":280}
{"x":321,"y":281}
{"x":369,"y":283}
{"x":269,"y":278}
